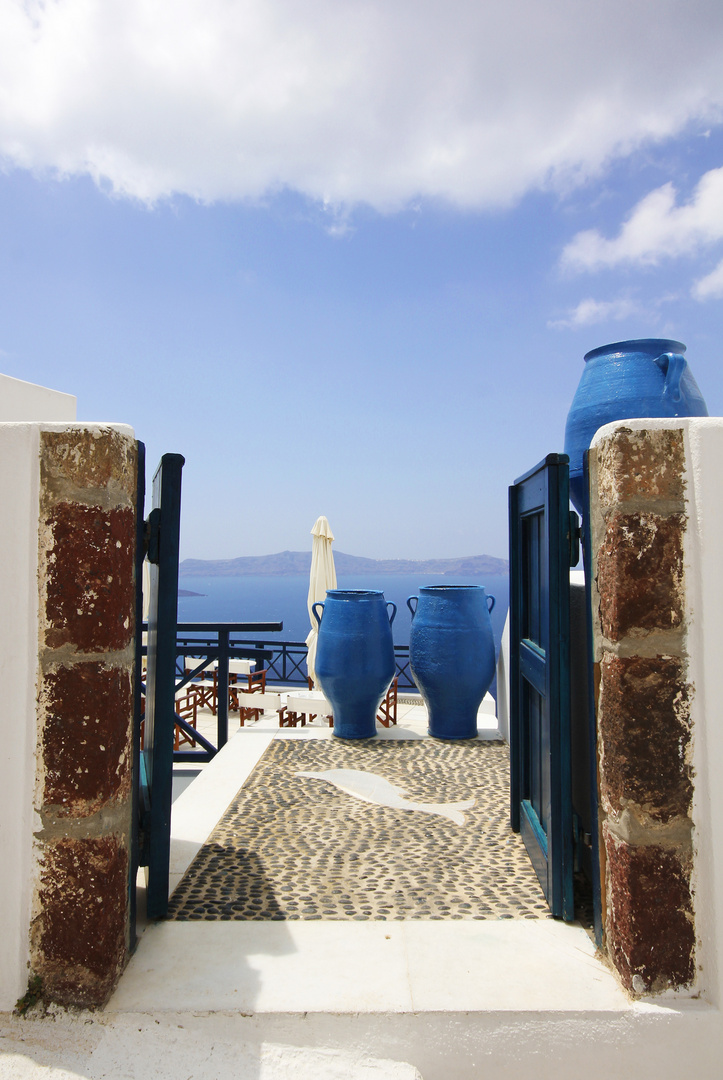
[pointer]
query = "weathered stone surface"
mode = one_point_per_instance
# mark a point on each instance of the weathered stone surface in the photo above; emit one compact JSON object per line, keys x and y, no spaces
{"x":90,"y":591}
{"x":650,"y":926}
{"x":86,"y":737}
{"x":79,"y":938}
{"x":89,"y":458}
{"x":644,"y":735}
{"x":641,"y":464}
{"x":640,"y":574}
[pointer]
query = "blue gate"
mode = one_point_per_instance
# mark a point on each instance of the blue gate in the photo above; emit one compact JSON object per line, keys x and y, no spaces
{"x":156,"y":752}
{"x":543,"y":534}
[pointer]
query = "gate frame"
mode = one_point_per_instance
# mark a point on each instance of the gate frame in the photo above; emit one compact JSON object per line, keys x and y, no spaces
{"x":553,"y":855}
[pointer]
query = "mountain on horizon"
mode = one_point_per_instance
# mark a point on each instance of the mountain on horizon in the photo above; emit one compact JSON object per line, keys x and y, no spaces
{"x":287,"y":563}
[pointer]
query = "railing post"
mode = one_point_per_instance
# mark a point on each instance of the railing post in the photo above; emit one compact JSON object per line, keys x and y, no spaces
{"x":222,"y":703}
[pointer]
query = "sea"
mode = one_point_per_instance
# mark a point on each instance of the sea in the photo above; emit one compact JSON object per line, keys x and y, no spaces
{"x":265,"y":598}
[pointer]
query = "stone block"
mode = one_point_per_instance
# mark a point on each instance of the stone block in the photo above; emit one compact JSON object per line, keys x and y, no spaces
{"x":89,"y":457}
{"x":644,"y":736}
{"x":89,"y":563}
{"x":641,"y":464}
{"x":79,"y":937}
{"x":650,"y":927}
{"x":640,"y":574}
{"x":88,"y":710}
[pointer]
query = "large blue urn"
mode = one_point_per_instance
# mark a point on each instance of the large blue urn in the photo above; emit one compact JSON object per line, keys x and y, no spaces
{"x":452,"y":655}
{"x":623,"y":381}
{"x":354,"y":657}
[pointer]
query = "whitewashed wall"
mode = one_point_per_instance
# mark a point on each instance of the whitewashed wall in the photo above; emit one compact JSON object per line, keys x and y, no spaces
{"x":34,"y":458}
{"x":19,"y":477}
{"x":21,"y":400}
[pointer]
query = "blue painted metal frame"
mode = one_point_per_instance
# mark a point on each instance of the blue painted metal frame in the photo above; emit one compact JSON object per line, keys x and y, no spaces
{"x":220,"y":650}
{"x":156,"y":757}
{"x":596,"y":840}
{"x":282,"y":659}
{"x":135,"y":854}
{"x":541,"y":801}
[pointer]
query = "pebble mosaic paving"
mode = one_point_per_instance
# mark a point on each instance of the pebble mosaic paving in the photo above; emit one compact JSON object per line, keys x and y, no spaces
{"x":293,"y":847}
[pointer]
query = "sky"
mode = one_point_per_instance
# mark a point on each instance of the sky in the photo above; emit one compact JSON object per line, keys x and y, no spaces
{"x":346,"y":256}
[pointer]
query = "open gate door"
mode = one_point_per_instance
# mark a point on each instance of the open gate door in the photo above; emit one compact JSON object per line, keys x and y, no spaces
{"x":541,"y":526}
{"x":156,"y":753}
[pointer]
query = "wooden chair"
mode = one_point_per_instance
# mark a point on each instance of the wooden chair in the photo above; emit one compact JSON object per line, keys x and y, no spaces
{"x":387,"y":714}
{"x":187,"y":709}
{"x":204,"y":688}
{"x":299,"y":706}
{"x":243,"y":690}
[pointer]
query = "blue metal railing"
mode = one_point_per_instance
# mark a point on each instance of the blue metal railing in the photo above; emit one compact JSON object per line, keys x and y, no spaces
{"x":284,"y":661}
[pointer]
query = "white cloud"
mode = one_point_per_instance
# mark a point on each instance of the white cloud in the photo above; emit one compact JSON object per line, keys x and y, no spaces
{"x":359,"y":100}
{"x":592,"y":311}
{"x":657,"y":228}
{"x":710,"y":287}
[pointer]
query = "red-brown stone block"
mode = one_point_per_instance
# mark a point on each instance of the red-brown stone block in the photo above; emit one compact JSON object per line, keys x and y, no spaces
{"x":86,"y":737}
{"x":644,"y":735}
{"x":90,"y":590}
{"x":80,"y":935}
{"x":641,"y":465}
{"x":650,"y":926}
{"x":640,"y":574}
{"x":89,"y":458}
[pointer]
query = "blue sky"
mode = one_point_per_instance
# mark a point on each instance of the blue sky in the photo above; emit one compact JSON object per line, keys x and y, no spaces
{"x":347,"y":258}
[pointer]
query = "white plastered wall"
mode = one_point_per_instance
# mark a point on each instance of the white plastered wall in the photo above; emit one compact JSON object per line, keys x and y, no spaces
{"x":19,"y":487}
{"x":705,"y":647}
{"x":503,"y":683}
{"x":20,"y":401}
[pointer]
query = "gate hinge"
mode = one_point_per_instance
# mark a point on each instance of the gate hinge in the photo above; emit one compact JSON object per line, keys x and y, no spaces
{"x":152,"y":535}
{"x":575,"y":533}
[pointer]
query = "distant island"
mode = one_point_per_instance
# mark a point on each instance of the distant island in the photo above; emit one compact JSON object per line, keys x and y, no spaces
{"x":288,"y":563}
{"x":189,"y":592}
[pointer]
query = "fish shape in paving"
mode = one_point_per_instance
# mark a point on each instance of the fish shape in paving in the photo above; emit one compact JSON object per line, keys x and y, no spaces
{"x":375,"y":789}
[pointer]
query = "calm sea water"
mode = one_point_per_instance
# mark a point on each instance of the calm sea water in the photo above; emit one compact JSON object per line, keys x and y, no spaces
{"x":252,"y":599}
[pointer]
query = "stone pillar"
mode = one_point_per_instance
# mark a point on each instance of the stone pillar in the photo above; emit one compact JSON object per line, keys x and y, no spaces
{"x":86,"y":609}
{"x":639,"y":519}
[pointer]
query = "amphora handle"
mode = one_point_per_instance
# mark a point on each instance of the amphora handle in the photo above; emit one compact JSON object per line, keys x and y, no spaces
{"x":409,"y":604}
{"x":319,"y":603}
{"x":672,"y":364}
{"x":391,"y":604}
{"x":490,"y":603}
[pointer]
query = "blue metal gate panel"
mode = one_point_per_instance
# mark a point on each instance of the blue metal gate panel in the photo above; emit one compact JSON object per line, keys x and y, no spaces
{"x":595,"y":838}
{"x":137,"y":689}
{"x":156,"y":758}
{"x":540,"y":546}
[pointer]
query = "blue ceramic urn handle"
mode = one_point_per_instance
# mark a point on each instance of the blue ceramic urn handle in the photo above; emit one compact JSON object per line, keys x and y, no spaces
{"x":316,"y":615}
{"x":672,"y":364}
{"x":409,"y":604}
{"x":490,"y":602}
{"x":391,"y":604}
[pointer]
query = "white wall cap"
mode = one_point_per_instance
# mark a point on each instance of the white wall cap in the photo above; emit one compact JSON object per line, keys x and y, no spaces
{"x":20,"y":400}
{"x":656,"y":423}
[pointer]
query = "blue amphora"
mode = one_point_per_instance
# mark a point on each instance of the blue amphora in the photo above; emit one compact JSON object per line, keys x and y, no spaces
{"x":452,"y":655}
{"x":623,"y":381}
{"x":354,"y":657}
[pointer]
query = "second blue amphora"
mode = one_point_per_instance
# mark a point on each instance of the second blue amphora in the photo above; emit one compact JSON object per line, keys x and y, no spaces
{"x":452,"y":655}
{"x":354,"y":657}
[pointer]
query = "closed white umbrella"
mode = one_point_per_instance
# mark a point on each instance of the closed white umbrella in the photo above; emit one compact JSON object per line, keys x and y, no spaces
{"x":322,"y":577}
